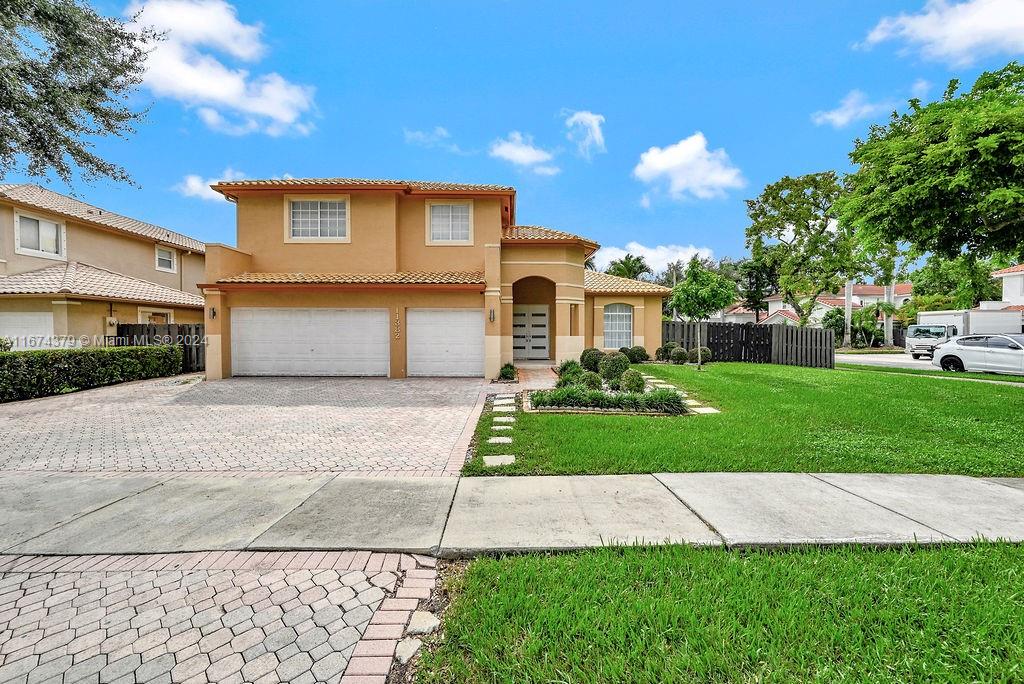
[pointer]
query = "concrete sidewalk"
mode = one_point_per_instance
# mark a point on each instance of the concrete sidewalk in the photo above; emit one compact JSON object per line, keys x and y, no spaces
{"x":56,"y":513}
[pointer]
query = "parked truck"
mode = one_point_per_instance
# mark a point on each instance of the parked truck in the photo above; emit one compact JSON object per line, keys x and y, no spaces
{"x":938,"y":327}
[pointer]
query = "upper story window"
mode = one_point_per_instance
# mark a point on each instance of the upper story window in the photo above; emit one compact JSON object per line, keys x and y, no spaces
{"x":318,"y":219}
{"x":449,"y":223}
{"x":40,"y":237}
{"x":166,"y":259}
{"x":618,"y":326}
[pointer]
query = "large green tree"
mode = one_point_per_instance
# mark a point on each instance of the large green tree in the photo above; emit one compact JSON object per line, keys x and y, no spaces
{"x":794,"y":230}
{"x":946,"y":177}
{"x":629,"y":266}
{"x":964,"y":280}
{"x":758,"y":280}
{"x":701,"y":293}
{"x":65,"y":76}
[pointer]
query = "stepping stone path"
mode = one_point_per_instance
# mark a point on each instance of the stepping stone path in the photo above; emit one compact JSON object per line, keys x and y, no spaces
{"x":505,"y":409}
{"x":504,"y":419}
{"x":499,"y":440}
{"x":504,"y":459}
{"x":694,"y":405}
{"x":504,"y":403}
{"x":501,"y":427}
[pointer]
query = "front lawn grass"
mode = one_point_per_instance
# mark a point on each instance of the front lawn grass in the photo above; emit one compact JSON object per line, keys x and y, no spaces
{"x":680,"y":614}
{"x":937,"y":373}
{"x":781,"y":419}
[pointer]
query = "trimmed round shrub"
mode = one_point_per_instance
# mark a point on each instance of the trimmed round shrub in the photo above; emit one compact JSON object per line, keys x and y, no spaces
{"x":624,"y":350}
{"x":591,"y":380}
{"x":507,"y":372}
{"x":705,"y":355}
{"x":664,"y":352}
{"x":632,"y":381}
{"x":590,"y":358}
{"x":613,"y":366}
{"x":678,"y":355}
{"x":569,"y":366}
{"x":638,"y":355}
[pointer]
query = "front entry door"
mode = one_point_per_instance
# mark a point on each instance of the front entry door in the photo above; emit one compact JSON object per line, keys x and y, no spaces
{"x":530,"y":331}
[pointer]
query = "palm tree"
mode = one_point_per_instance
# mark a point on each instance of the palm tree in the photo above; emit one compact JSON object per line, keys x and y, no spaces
{"x":590,"y":264}
{"x":865,"y":321}
{"x":629,"y":266}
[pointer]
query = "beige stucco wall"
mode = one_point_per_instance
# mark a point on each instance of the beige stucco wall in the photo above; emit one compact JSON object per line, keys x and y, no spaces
{"x":117,"y":252}
{"x":646,"y":320}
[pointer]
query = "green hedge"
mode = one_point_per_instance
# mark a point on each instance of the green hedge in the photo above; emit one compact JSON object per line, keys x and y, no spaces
{"x":657,"y":401}
{"x":44,"y":372}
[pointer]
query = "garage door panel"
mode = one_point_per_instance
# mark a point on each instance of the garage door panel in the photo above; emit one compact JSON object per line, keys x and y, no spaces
{"x":28,"y":329}
{"x":294,"y":341}
{"x":445,"y":342}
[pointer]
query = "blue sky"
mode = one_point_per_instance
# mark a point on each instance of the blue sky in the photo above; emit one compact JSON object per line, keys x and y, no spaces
{"x":699,"y":104}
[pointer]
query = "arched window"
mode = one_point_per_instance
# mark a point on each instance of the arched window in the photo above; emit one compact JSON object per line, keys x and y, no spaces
{"x":618,"y":326}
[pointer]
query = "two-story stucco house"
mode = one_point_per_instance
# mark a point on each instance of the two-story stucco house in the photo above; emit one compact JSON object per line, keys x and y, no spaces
{"x":344,"y":276}
{"x":1013,"y":291}
{"x":779,"y":312}
{"x":72,"y":270}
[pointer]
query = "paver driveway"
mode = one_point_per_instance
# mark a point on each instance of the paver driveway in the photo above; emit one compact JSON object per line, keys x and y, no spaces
{"x":363,"y":425}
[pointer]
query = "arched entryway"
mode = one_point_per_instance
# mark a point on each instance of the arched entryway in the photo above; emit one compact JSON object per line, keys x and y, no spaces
{"x":533,"y":319}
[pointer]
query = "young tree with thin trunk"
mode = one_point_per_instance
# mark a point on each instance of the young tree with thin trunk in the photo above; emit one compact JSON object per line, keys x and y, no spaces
{"x":701,"y":293}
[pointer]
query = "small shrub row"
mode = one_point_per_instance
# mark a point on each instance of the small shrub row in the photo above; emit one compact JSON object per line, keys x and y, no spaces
{"x":44,"y":372}
{"x":676,"y":354}
{"x":657,"y":401}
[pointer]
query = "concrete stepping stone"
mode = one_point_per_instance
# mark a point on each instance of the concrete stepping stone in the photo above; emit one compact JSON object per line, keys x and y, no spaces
{"x":504,"y":419}
{"x":504,"y":402}
{"x":501,"y":427}
{"x":505,"y":409}
{"x":704,"y":409}
{"x":504,"y":396}
{"x":422,"y":622}
{"x":406,"y":649}
{"x":499,"y":440}
{"x":503,"y":459}
{"x":692,"y":402}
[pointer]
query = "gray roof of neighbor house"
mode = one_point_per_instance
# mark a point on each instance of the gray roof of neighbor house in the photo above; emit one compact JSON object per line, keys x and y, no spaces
{"x":82,"y":280}
{"x":368,"y":183}
{"x":36,"y":197}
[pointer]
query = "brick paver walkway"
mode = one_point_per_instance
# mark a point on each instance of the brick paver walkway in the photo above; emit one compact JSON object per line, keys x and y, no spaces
{"x":353,"y":425}
{"x":300,"y":617}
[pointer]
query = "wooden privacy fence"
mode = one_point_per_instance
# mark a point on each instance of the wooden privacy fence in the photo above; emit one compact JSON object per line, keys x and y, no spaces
{"x":782,"y":344}
{"x":190,"y":336}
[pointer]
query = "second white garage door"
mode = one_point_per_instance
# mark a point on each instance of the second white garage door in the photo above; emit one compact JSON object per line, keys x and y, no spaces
{"x":282,"y":341}
{"x":445,"y":342}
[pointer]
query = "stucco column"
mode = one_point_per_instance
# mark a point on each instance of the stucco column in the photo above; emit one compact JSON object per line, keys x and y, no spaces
{"x":848,"y":314}
{"x":887,"y":325}
{"x":61,"y":322}
{"x":218,"y":344}
{"x":493,"y":315}
{"x":598,"y":324}
{"x":639,"y":326}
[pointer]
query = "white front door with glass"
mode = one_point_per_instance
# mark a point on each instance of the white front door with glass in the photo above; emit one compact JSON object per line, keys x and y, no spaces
{"x":530,"y":338}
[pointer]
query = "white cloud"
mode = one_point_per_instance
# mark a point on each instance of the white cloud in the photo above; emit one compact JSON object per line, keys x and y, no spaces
{"x":230,"y":100}
{"x":657,"y":257}
{"x":920,"y":88}
{"x":546,"y":170}
{"x":645,"y":201}
{"x":853,"y":107}
{"x":689,"y":167}
{"x":520,"y":150}
{"x":957,"y":32}
{"x":585,"y":130}
{"x":439,"y":137}
{"x":194,"y":185}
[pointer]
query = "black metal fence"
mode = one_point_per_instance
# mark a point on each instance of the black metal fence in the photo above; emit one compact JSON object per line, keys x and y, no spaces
{"x":190,"y":336}
{"x":751,"y":343}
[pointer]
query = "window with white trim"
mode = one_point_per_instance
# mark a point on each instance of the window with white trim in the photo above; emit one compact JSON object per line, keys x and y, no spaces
{"x":618,"y":326}
{"x":451,"y":222}
{"x":166,"y":259}
{"x":39,"y":236}
{"x":319,"y":218}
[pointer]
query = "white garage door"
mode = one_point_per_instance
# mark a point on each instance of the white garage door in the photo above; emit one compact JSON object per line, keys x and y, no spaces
{"x":279,"y":341}
{"x":445,"y":342}
{"x":25,"y":326}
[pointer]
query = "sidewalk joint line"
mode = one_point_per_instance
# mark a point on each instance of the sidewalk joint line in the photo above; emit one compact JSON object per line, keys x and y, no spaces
{"x":692,"y":510}
{"x":447,"y":517}
{"x":884,"y":507}
{"x":82,"y":515}
{"x":249,"y":545}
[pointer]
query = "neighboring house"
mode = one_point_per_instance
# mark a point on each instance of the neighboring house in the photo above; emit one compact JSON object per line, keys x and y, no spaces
{"x":403,"y":278}
{"x":738,"y":313}
{"x":69,"y":269}
{"x":1013,"y":291}
{"x":863,"y":295}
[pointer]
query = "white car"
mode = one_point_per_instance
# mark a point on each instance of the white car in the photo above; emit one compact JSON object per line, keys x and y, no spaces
{"x":982,"y":353}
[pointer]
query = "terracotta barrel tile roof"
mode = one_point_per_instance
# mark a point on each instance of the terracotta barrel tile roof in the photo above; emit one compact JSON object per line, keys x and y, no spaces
{"x":537,"y":233}
{"x":1019,"y":268}
{"x":595,"y":282}
{"x":1014,"y":307}
{"x":428,"y":186}
{"x":46,"y":200}
{"x":74,"y":278}
{"x":405,"y":278}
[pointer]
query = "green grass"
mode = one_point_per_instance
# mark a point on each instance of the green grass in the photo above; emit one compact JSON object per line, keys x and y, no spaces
{"x":784,"y":419}
{"x":937,"y":373}
{"x":679,"y":614}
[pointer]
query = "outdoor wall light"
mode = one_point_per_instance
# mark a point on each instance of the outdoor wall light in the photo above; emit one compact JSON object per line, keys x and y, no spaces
{"x":491,"y":315}
{"x":213,"y":312}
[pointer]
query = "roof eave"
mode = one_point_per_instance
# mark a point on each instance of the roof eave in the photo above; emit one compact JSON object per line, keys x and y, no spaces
{"x":478,"y":287}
